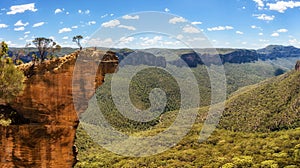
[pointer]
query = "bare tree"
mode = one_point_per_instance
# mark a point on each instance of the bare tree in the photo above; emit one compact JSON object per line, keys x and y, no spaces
{"x":43,"y":45}
{"x":77,"y":39}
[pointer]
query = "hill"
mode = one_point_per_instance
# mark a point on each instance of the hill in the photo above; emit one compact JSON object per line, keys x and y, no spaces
{"x":268,"y":106}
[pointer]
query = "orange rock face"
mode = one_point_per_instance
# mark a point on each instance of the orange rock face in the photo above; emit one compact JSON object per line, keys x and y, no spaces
{"x":297,"y":66}
{"x":56,"y":92}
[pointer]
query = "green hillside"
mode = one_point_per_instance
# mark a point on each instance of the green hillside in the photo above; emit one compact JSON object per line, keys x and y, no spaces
{"x":269,"y":106}
{"x":271,"y":143}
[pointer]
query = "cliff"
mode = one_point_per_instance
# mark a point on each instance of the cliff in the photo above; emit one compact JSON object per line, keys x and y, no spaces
{"x":56,"y":92}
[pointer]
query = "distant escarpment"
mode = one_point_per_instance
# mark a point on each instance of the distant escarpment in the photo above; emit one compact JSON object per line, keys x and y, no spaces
{"x":55,"y":92}
{"x":237,"y":56}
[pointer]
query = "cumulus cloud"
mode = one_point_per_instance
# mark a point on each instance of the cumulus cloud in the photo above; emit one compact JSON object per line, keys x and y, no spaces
{"x":281,"y":6}
{"x":19,"y":28}
{"x":126,"y":40}
{"x":74,"y":27}
{"x":21,"y":8}
{"x":38,"y":24}
{"x":58,"y":11}
{"x":282,"y":30}
{"x":91,"y":23}
{"x":108,"y":42}
{"x":275,"y":34}
{"x":28,"y":32}
{"x":239,"y":32}
{"x":63,"y":30}
{"x":65,"y":38}
{"x":264,"y":17}
{"x":84,"y":12}
{"x":127,"y":27}
{"x":260,"y":34}
{"x":196,"y":23}
{"x":151,"y":41}
{"x":256,"y":27}
{"x":167,"y":10}
{"x":175,"y":20}
{"x":3,"y":25}
{"x":111,"y":23}
{"x":127,"y":17}
{"x":259,"y":3}
{"x":103,"y":16}
{"x":19,"y":23}
{"x":190,"y":29}
{"x":219,"y":28}
{"x":180,"y":36}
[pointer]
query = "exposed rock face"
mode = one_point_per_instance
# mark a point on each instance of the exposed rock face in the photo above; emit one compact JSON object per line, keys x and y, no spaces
{"x":47,"y":102}
{"x":297,"y":66}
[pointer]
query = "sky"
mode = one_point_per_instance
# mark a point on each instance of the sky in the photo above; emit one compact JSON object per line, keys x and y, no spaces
{"x":249,"y":24}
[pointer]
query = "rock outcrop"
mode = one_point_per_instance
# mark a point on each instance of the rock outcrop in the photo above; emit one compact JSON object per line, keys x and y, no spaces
{"x":56,"y":92}
{"x":297,"y":66}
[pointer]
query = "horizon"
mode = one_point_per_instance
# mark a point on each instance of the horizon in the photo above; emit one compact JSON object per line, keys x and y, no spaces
{"x":252,"y":24}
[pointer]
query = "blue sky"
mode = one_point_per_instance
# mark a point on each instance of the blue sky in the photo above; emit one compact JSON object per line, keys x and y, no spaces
{"x":222,"y":23}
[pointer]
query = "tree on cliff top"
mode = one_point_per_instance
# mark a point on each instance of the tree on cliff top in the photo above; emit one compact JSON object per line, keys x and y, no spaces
{"x":11,"y":79}
{"x":3,"y":49}
{"x":43,"y":45}
{"x":77,"y":39}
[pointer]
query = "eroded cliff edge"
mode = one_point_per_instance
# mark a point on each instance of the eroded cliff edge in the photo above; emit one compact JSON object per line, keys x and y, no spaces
{"x":50,"y":103}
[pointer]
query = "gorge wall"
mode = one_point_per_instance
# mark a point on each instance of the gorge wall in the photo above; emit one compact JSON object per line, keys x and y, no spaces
{"x":55,"y":93}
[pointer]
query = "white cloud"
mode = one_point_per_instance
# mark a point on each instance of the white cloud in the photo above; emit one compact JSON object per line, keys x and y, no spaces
{"x":167,"y":10}
{"x":151,"y":41}
{"x":281,"y":6}
{"x":260,"y":34}
{"x":126,"y":40}
{"x":256,"y":27}
{"x":175,"y":20}
{"x":127,"y":17}
{"x":57,"y":11}
{"x":190,"y":29}
{"x":28,"y":32}
{"x":19,"y":28}
{"x":63,"y":30}
{"x":19,"y":23}
{"x":91,"y":22}
{"x":196,"y":23}
{"x":38,"y":24}
{"x":84,"y":12}
{"x":127,"y":27}
{"x":239,"y":32}
{"x":180,"y":36}
{"x":108,"y":42}
{"x":21,"y":8}
{"x":275,"y":34}
{"x":65,"y":38}
{"x":282,"y":30}
{"x":3,"y":25}
{"x":103,"y":16}
{"x":259,"y":3}
{"x":264,"y":17}
{"x":111,"y":23}
{"x":74,"y":27}
{"x":219,"y":28}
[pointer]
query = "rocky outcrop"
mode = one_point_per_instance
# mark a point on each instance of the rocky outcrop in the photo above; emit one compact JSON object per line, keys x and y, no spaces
{"x":297,"y":66}
{"x":56,"y":92}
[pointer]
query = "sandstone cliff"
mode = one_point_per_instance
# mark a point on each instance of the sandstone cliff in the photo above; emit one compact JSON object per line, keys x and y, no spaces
{"x":56,"y":91}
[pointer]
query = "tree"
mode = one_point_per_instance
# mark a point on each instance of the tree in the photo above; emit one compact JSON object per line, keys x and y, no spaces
{"x":77,"y":39}
{"x":11,"y":79}
{"x":43,"y":45}
{"x":3,"y":49}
